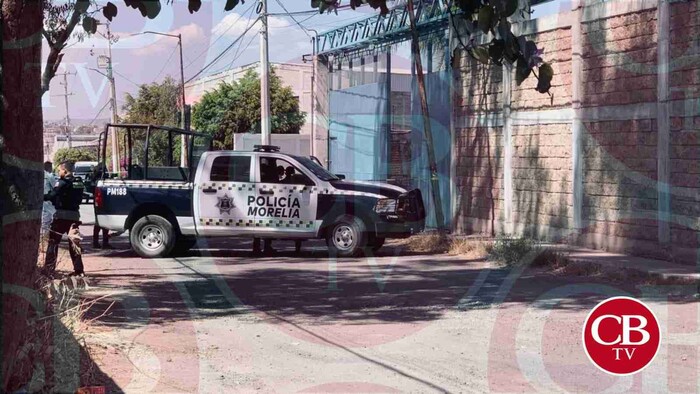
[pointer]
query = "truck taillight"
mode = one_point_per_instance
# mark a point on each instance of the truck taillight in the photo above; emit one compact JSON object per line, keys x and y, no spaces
{"x":98,"y":197}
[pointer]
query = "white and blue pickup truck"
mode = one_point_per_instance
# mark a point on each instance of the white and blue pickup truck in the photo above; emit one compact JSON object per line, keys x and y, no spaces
{"x":258,"y":194}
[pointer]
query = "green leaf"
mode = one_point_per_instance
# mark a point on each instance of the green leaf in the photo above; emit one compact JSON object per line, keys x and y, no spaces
{"x":511,"y":50}
{"x":511,"y":7}
{"x":81,"y":6}
{"x":481,"y":54}
{"x":504,"y":29}
{"x":468,"y":7}
{"x":546,"y":73}
{"x":194,"y":5}
{"x":505,"y":7}
{"x":152,"y":8}
{"x":230,"y":4}
{"x":485,"y":18}
{"x":496,"y":51}
{"x":522,"y":71}
{"x":89,"y":24}
{"x":110,"y":11}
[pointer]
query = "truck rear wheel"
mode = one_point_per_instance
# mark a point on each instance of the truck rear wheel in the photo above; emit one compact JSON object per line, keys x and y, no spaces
{"x":346,"y":237}
{"x":152,"y":236}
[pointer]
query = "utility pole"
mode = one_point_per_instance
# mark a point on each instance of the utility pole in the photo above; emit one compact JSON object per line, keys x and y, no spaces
{"x":113,"y":100}
{"x":183,"y":144}
{"x":65,"y":97}
{"x":183,"y":123}
{"x":264,"y":77}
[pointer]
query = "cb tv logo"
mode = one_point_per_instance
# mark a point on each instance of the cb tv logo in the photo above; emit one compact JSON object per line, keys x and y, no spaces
{"x":621,"y":336}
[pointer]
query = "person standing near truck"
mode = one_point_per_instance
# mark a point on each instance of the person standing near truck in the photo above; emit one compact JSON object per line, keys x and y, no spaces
{"x":66,"y":196}
{"x":48,"y":209}
{"x":97,"y":174}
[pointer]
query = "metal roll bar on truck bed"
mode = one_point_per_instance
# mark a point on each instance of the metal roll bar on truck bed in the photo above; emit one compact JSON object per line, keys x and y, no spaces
{"x":158,"y":147}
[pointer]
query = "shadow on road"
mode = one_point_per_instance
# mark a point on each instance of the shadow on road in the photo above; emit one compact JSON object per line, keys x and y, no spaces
{"x":312,"y":288}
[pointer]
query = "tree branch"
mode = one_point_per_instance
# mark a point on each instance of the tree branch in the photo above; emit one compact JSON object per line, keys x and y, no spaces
{"x":55,"y":55}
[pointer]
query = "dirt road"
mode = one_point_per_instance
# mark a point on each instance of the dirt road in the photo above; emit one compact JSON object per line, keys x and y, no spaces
{"x":221,"y":319}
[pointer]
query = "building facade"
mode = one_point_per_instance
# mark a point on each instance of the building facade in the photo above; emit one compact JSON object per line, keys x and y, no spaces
{"x":297,"y":76}
{"x":609,"y":160}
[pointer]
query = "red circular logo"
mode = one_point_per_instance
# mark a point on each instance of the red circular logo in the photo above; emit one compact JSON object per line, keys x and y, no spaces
{"x":621,"y":336}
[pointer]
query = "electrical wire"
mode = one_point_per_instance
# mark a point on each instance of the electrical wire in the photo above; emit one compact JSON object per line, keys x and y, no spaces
{"x":98,"y":113}
{"x":220,"y":55}
{"x":285,"y":27}
{"x":341,"y":8}
{"x":241,"y":53}
{"x":238,"y":49}
{"x":166,"y":63}
{"x":125,"y":77}
{"x":221,"y":35}
{"x":294,"y":19}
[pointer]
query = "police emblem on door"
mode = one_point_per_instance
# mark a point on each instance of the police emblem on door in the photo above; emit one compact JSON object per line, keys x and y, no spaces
{"x":225,"y":204}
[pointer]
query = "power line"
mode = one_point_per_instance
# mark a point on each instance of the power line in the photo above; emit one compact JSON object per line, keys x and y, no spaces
{"x":242,"y":52}
{"x":302,"y":21}
{"x":165,"y":64}
{"x":99,"y":112}
{"x":236,"y":55}
{"x":221,"y":35}
{"x":294,"y":19}
{"x":341,"y":8}
{"x":125,"y":77}
{"x":218,"y":57}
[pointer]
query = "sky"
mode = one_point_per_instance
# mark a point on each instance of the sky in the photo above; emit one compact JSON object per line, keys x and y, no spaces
{"x":144,"y":58}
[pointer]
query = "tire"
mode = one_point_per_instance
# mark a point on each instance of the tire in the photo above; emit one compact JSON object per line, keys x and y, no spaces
{"x":152,"y":236}
{"x":346,"y":237}
{"x":376,"y":243}
{"x":183,"y":245}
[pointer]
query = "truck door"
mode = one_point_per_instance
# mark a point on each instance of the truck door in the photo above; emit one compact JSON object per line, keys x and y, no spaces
{"x":285,"y":203}
{"x":221,"y":191}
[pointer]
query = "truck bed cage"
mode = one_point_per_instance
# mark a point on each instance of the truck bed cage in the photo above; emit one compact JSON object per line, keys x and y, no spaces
{"x":147,"y":125}
{"x":165,"y":169}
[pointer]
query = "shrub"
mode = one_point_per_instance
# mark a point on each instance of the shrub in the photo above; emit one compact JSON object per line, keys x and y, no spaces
{"x":511,"y":250}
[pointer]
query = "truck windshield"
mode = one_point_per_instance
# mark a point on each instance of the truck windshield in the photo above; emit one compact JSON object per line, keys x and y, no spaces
{"x":315,"y":168}
{"x":83,"y":169}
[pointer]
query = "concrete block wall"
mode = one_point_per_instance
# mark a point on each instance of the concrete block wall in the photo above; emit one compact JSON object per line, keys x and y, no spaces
{"x":542,"y":196}
{"x":611,"y":159}
{"x":620,"y":160}
{"x":477,"y":147}
{"x":684,"y":150}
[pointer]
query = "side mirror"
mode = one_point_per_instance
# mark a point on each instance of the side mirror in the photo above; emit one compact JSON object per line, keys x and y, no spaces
{"x":340,"y":176}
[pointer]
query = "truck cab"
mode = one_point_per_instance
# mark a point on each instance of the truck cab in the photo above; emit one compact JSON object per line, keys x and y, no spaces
{"x":262,"y":193}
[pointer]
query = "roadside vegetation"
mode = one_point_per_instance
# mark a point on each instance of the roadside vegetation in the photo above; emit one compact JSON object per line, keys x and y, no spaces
{"x":514,"y":252}
{"x":74,"y":154}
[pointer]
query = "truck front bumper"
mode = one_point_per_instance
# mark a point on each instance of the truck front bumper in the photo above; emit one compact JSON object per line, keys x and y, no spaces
{"x":388,"y":229}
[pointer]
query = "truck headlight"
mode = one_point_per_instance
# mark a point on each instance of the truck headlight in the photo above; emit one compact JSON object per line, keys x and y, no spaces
{"x":386,"y":205}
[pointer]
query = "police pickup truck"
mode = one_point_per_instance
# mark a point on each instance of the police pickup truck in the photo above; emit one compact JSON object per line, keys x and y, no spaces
{"x":259,"y":194}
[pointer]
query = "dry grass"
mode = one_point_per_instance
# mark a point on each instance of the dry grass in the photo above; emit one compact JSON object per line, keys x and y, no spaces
{"x":440,"y":244}
{"x":550,"y":257}
{"x":432,"y":243}
{"x":470,"y":248}
{"x":56,"y":336}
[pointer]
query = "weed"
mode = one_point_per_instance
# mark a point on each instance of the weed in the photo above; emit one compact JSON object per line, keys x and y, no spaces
{"x":511,"y":250}
{"x":469,"y":247}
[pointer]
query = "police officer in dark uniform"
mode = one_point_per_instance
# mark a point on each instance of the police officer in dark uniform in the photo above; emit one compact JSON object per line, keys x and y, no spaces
{"x":66,"y":196}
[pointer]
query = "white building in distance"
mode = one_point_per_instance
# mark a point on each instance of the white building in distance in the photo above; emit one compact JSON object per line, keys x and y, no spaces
{"x":297,"y":76}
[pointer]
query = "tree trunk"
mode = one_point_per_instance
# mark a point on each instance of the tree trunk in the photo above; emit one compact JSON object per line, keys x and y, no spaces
{"x":22,"y":177}
{"x":432,"y":163}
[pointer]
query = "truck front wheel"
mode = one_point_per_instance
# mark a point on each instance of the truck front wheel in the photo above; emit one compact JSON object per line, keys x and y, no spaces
{"x":152,"y":236}
{"x":346,"y":237}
